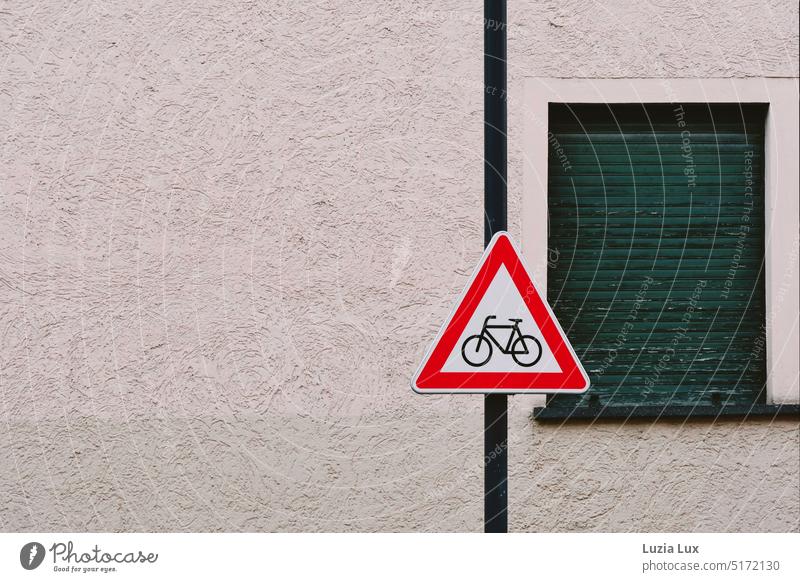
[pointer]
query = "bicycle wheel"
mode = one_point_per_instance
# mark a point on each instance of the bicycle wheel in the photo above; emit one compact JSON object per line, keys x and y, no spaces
{"x":476,"y":350}
{"x":526,"y":350}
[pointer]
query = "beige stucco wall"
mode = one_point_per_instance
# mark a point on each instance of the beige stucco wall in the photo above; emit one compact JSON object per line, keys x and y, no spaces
{"x":229,"y":229}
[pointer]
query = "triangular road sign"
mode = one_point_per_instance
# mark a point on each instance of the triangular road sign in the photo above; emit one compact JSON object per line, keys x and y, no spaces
{"x":502,"y":336}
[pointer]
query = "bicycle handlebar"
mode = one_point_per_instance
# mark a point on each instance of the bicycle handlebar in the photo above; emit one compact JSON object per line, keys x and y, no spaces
{"x":495,"y":317}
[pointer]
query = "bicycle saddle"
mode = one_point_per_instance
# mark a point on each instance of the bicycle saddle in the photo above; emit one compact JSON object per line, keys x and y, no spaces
{"x":515,"y":320}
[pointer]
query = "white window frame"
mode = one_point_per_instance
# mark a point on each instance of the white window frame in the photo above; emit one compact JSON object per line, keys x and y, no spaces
{"x":781,"y":185}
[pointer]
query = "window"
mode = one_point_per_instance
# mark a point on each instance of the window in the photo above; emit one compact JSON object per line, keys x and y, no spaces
{"x":662,"y":216}
{"x":657,"y":220}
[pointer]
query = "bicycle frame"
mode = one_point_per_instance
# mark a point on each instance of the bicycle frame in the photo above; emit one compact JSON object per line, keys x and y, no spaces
{"x":515,"y":333}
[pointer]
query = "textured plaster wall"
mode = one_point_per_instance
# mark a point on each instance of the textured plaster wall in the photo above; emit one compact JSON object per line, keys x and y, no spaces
{"x":229,"y":229}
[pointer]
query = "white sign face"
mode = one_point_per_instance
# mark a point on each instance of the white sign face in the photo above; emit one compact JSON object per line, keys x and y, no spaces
{"x":502,"y":336}
{"x":502,"y":318}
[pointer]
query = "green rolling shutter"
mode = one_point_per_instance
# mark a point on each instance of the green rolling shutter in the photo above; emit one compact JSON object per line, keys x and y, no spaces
{"x":656,"y":236}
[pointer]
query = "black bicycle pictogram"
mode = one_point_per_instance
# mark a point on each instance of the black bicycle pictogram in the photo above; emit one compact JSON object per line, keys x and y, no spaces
{"x":525,"y":349}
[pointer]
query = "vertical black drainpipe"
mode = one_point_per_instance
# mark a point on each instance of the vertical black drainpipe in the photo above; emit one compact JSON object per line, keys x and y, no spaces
{"x":495,"y":423}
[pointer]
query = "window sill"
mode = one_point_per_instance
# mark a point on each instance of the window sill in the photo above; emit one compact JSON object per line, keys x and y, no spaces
{"x":545,"y":414}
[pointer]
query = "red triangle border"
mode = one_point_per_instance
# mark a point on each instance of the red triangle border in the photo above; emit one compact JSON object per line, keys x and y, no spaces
{"x":431,"y":379}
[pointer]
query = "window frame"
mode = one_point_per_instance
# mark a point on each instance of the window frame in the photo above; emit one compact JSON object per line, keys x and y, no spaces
{"x":782,"y":213}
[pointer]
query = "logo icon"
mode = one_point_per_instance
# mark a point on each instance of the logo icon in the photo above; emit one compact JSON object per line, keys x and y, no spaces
{"x":31,"y":555}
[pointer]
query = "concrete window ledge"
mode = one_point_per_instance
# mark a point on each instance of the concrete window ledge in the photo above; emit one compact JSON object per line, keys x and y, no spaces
{"x":783,"y":411}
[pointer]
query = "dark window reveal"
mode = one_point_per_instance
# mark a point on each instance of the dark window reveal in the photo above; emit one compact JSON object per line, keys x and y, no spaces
{"x":656,"y":226}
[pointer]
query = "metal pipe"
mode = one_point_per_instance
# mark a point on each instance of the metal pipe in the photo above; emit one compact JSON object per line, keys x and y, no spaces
{"x":495,"y":147}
